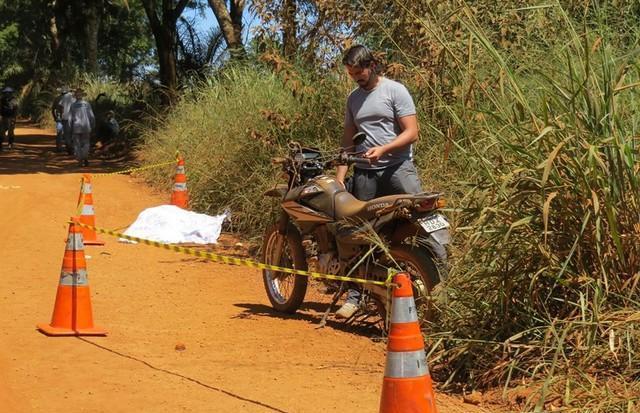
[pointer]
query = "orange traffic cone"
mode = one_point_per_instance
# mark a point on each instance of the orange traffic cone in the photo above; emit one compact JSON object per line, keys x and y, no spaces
{"x":87,"y":214}
{"x":407,"y":386}
{"x":180,"y":195}
{"x":72,"y":314}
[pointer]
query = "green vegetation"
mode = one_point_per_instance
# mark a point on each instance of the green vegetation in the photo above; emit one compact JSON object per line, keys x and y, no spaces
{"x":530,"y":125}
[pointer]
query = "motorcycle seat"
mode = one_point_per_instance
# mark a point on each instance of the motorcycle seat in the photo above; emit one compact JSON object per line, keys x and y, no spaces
{"x":347,"y":205}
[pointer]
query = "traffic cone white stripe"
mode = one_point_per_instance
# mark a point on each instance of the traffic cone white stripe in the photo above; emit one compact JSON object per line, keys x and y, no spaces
{"x":403,"y":310}
{"x":86,"y":188}
{"x":79,"y":277}
{"x":180,"y":169}
{"x":406,"y":364}
{"x":88,"y":210}
{"x":180,"y":186}
{"x":75,"y":243}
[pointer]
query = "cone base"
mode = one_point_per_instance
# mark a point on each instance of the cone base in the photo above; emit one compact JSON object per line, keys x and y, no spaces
{"x":60,"y":331}
{"x":401,"y":395}
{"x":93,"y":242}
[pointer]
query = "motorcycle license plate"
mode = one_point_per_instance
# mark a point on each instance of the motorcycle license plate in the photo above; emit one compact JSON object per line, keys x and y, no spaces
{"x":433,"y":223}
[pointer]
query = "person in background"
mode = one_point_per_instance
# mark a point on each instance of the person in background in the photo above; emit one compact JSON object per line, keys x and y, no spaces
{"x":112,"y":128}
{"x":384,"y":110}
{"x":66,"y":100}
{"x":9,"y":112}
{"x":56,"y":113}
{"x":82,"y":122}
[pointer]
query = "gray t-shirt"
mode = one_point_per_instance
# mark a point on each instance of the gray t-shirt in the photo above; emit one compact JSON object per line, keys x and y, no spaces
{"x":376,"y":113}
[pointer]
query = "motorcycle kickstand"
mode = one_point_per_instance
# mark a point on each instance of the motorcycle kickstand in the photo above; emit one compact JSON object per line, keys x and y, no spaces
{"x":336,"y":297}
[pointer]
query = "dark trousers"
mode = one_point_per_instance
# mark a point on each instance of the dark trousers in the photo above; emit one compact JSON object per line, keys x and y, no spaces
{"x":7,"y":125}
{"x":59,"y":136}
{"x":401,"y":178}
{"x":66,"y":135}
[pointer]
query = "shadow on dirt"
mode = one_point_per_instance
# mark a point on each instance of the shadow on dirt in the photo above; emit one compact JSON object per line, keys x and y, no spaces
{"x":366,"y":326}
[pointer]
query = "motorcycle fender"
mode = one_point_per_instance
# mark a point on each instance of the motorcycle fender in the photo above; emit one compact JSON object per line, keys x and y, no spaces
{"x":279,"y":191}
{"x":442,"y":236}
{"x":435,"y":243}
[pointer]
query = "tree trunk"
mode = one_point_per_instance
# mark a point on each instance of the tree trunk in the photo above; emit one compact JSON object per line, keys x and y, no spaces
{"x":163,"y":28}
{"x":58,"y":40}
{"x":230,"y":22}
{"x":92,"y":26}
{"x":289,"y":28}
{"x":167,"y":63}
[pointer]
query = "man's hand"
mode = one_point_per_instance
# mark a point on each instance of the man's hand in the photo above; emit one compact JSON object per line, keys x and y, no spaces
{"x":375,"y":153}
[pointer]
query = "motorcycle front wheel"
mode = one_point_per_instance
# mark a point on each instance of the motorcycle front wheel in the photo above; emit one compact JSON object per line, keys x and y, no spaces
{"x":285,"y":291}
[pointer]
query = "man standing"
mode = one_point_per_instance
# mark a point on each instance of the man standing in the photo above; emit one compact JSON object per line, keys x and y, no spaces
{"x":65,"y":103}
{"x":81,"y":122}
{"x":384,"y":110}
{"x":9,"y":111}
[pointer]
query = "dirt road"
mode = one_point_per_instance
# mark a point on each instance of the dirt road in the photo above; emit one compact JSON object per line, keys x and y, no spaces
{"x":239,"y":356}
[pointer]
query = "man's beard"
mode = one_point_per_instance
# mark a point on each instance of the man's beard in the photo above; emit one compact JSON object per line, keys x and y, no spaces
{"x":366,"y":84}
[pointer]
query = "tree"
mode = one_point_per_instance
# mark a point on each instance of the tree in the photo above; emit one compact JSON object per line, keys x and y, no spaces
{"x":93,"y":13}
{"x":230,"y":22}
{"x":126,"y":44}
{"x":289,"y":28}
{"x":163,"y":20}
{"x":197,"y":52}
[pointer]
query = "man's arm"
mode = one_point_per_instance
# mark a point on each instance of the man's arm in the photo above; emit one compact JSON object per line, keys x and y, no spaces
{"x":347,"y":141}
{"x":409,"y":127}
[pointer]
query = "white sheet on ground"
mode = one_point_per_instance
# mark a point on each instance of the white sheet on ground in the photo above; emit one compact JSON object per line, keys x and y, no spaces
{"x":172,"y":225}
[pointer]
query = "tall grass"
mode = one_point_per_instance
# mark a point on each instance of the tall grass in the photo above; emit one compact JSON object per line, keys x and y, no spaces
{"x":546,"y":282}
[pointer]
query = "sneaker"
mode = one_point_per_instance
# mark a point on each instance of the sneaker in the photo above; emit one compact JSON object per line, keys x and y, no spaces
{"x":347,"y":310}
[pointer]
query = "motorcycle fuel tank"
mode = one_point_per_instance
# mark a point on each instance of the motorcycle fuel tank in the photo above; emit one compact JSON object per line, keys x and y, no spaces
{"x":319,"y":194}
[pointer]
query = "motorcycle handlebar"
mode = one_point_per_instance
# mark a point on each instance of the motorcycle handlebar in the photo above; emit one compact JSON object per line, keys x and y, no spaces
{"x":357,"y":160}
{"x":345,"y":159}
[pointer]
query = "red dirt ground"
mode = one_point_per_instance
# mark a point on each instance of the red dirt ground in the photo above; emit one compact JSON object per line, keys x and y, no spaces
{"x":239,"y":356}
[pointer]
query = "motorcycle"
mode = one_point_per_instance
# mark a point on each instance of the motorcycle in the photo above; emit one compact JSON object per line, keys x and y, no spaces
{"x":323,"y":228}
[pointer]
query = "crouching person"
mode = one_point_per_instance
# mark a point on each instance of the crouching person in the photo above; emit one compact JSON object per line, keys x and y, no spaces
{"x":82,"y":123}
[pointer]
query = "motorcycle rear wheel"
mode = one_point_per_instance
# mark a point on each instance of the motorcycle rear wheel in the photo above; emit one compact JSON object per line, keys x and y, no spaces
{"x":285,"y":291}
{"x":424,"y":273}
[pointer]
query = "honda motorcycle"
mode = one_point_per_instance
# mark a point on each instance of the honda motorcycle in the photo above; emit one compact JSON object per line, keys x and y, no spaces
{"x":323,"y":228}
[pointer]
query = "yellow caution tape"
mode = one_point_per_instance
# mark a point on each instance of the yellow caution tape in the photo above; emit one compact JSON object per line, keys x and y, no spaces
{"x":237,"y":261}
{"x":141,"y":168}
